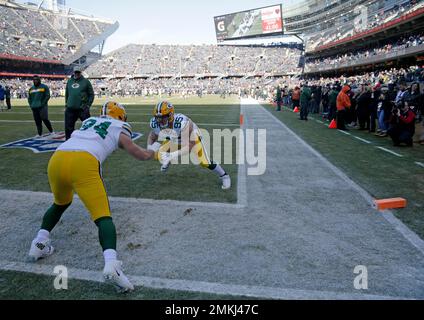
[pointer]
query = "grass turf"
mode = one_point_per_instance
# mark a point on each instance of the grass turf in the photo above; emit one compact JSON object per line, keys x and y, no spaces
{"x":124,"y":176}
{"x":381,"y":174}
{"x":27,"y":286}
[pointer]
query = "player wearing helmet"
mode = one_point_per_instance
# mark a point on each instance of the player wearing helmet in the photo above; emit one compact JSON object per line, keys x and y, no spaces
{"x":171,"y":125}
{"x":76,"y":167}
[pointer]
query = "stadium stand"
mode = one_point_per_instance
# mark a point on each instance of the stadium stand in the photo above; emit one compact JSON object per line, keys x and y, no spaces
{"x":363,"y":55}
{"x":209,"y":60}
{"x":336,"y":21}
{"x":36,"y":33}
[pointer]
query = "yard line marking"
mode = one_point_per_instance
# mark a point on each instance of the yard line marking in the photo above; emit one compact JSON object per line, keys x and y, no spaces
{"x":344,"y":132}
{"x":363,"y":140}
{"x":198,"y":286}
{"x":391,"y":152}
{"x":420,"y":164}
{"x":135,"y":201}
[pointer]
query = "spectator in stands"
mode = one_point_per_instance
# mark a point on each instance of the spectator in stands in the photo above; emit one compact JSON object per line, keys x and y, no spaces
{"x":296,"y":97}
{"x":363,"y":103}
{"x":313,"y":104}
{"x":415,"y":99}
{"x":391,"y":93}
{"x":286,"y":96}
{"x":403,"y":94}
{"x":279,"y":98}
{"x":375,"y":95}
{"x":403,"y":128}
{"x":305,"y":100}
{"x":343,"y":103}
{"x":332,"y":100}
{"x":325,"y":101}
{"x":7,"y":95}
{"x":384,"y":109}
{"x":2,"y":96}
{"x":79,"y":97}
{"x":352,"y":115}
{"x":38,"y":98}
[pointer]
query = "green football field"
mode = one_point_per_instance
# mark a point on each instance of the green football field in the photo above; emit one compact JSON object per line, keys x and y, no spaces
{"x":124,"y":176}
{"x":359,"y":155}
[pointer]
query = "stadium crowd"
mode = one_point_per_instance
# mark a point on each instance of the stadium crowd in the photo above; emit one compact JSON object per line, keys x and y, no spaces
{"x":42,"y":34}
{"x":345,"y":24}
{"x":175,"y":60}
{"x":361,"y":55}
{"x":387,"y":102}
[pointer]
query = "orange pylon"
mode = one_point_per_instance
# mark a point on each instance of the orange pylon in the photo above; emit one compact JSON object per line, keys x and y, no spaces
{"x":296,"y":110}
{"x":395,"y":203}
{"x":333,"y":125}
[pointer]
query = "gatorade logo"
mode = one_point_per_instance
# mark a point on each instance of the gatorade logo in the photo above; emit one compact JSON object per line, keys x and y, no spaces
{"x":221,"y":26}
{"x":75,"y":86}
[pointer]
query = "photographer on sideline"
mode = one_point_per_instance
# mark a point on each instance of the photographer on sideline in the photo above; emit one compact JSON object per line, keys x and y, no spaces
{"x":403,"y":127}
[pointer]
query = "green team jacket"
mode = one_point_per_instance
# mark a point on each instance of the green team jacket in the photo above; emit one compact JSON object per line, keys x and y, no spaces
{"x":305,"y":96}
{"x":38,"y":97}
{"x":79,"y":93}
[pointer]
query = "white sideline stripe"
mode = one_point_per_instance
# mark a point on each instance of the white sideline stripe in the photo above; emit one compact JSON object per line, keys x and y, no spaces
{"x":319,"y":121}
{"x":363,"y":140}
{"x":344,"y":132}
{"x":199,"y":286}
{"x":391,"y":152}
{"x":173,"y":203}
{"x":130,"y":114}
{"x":407,"y":233}
{"x":242,"y":198}
{"x":420,"y":164}
{"x":220,"y":125}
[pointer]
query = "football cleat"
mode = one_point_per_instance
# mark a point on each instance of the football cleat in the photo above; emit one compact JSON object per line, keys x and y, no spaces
{"x":226,"y":182}
{"x":40,"y":250}
{"x":114,"y":275}
{"x":114,"y":110}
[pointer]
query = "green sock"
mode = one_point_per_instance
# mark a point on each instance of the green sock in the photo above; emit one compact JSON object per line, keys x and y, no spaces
{"x":107,"y":233}
{"x":52,"y":217}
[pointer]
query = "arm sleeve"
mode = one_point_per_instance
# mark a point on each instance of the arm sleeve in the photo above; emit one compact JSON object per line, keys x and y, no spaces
{"x":66,"y":95}
{"x":348,"y":102}
{"x":127,"y":130}
{"x":46,"y":96}
{"x":29,"y":97}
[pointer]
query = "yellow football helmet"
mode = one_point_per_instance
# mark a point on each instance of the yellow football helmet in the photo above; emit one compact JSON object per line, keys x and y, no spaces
{"x":164,"y":114}
{"x":114,"y":110}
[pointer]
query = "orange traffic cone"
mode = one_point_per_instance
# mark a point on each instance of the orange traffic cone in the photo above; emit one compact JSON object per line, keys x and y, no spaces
{"x":296,"y":110}
{"x":333,"y":125}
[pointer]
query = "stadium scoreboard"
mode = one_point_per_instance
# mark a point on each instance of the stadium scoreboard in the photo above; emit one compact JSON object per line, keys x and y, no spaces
{"x":253,"y":23}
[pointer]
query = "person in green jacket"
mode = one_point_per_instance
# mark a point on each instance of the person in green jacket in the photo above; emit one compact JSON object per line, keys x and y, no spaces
{"x":38,"y":99}
{"x":305,"y":99}
{"x":79,"y":97}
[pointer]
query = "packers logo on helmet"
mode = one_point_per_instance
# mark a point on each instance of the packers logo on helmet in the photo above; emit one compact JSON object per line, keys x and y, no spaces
{"x":164,"y":114}
{"x":114,"y":110}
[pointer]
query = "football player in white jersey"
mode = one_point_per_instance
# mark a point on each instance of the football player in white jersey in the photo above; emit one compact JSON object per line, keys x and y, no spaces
{"x":76,"y":167}
{"x":169,"y":124}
